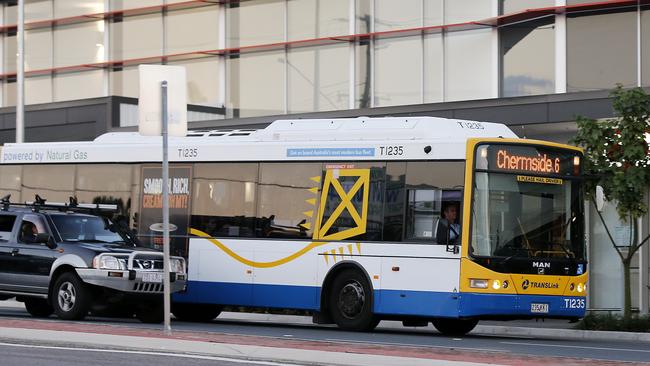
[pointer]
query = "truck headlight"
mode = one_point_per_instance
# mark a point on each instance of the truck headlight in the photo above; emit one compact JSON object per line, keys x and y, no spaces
{"x":177,"y":265}
{"x":109,"y":262}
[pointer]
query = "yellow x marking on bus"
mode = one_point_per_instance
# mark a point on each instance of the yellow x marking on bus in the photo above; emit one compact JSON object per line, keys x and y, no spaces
{"x":362,"y":183}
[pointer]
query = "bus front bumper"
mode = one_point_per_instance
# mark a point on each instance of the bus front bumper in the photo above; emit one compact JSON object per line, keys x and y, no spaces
{"x":521,"y":306}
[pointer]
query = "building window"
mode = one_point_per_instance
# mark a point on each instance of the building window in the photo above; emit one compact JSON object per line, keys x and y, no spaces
{"x":38,"y":89}
{"x":77,"y":44}
{"x":362,"y":82}
{"x":514,"y":6}
{"x":255,"y":22}
{"x":38,"y":49}
{"x":136,"y":37}
{"x":317,"y":18}
{"x":71,"y":8}
{"x":393,"y":87}
{"x":390,"y":14}
{"x":256,"y":84}
{"x":467,"y":11}
{"x":130,"y":4}
{"x":202,"y":80}
{"x":468,"y":65}
{"x":66,"y":85}
{"x":318,"y":78}
{"x":433,"y":12}
{"x":590,"y":65}
{"x":433,"y":72}
{"x":190,"y":30}
{"x":364,"y":16}
{"x":528,"y":58}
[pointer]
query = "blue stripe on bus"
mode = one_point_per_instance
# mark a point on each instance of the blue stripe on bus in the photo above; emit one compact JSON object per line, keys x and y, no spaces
{"x":392,"y":302}
{"x":416,"y":303}
{"x":274,"y":296}
{"x":495,"y":304}
{"x":387,"y":302}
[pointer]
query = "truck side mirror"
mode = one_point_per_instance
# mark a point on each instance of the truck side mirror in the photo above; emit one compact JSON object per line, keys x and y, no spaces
{"x":47,"y":239}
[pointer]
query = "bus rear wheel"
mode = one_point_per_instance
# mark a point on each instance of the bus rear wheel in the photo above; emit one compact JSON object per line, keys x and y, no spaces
{"x":195,"y":312}
{"x":350,"y":302}
{"x":454,"y":327}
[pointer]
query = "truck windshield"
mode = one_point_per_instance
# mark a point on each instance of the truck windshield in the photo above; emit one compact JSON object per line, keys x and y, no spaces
{"x":86,"y":228}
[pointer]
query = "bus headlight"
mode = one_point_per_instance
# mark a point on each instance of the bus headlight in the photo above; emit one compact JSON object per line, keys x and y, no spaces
{"x":581,"y":287}
{"x":476,"y":283}
{"x":496,"y":284}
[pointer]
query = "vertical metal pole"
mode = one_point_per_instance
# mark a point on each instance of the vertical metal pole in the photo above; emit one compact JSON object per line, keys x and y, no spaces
{"x":20,"y":90}
{"x":639,"y":69}
{"x":165,"y":207}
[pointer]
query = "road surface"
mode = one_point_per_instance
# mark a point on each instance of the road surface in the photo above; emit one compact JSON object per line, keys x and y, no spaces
{"x":275,"y":330}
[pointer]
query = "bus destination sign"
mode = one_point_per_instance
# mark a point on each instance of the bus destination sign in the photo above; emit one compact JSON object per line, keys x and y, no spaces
{"x":532,"y":160}
{"x":541,"y":163}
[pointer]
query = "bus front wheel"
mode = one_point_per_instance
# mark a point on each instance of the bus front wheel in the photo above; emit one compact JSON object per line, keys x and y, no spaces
{"x":454,"y":327}
{"x":350,"y":302}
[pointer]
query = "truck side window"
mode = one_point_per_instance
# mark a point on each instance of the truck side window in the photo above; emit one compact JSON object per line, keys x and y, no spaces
{"x":30,"y":227}
{"x":6,"y":226}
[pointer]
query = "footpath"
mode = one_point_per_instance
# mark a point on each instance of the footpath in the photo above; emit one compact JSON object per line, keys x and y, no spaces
{"x":97,"y":335}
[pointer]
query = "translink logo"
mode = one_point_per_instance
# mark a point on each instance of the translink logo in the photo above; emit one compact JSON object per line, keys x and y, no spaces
{"x":537,"y":285}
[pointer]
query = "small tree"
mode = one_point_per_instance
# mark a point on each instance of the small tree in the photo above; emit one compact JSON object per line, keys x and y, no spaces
{"x":617,"y":157}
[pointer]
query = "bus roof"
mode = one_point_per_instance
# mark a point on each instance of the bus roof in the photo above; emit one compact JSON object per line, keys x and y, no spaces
{"x":362,"y":138}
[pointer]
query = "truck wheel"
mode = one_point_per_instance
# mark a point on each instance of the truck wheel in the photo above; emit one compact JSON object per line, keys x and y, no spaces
{"x":153,"y":313}
{"x":38,"y":308}
{"x":70,"y":297}
{"x":350,"y":302}
{"x":454,"y":327}
{"x":195,"y":312}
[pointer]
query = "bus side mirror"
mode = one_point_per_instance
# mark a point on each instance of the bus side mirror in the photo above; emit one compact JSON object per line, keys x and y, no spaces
{"x":450,"y":247}
{"x":453,"y":248}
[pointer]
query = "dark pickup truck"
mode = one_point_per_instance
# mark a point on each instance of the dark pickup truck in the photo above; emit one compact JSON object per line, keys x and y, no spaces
{"x":66,"y":261}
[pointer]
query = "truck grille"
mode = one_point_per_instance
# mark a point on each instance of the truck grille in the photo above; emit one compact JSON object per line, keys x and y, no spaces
{"x":147,"y":263}
{"x":148,"y":287}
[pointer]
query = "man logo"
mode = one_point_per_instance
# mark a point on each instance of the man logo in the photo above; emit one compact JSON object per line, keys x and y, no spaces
{"x":540,"y":270}
{"x":525,"y":284}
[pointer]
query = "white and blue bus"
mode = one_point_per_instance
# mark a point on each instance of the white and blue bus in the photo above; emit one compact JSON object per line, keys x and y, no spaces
{"x":417,"y":219}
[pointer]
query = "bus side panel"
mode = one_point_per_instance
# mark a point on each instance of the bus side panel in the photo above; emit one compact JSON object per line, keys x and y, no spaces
{"x":215,"y":278}
{"x":258,"y":273}
{"x":419,"y":287}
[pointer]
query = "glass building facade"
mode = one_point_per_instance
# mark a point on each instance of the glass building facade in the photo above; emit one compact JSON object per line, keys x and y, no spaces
{"x":270,"y":57}
{"x":254,"y":58}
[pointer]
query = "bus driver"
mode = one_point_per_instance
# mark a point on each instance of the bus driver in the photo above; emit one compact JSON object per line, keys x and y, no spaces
{"x":448,"y":231}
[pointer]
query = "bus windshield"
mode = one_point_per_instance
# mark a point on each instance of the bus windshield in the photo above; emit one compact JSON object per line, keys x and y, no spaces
{"x":527,"y":216}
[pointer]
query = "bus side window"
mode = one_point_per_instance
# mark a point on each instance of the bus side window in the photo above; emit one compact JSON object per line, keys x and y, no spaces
{"x":422,"y":214}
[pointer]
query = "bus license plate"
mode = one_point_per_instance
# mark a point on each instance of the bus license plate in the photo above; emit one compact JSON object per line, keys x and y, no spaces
{"x":539,"y":308}
{"x":152,"y":277}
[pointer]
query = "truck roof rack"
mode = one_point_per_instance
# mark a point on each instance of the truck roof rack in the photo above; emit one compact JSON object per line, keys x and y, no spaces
{"x":73,"y":205}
